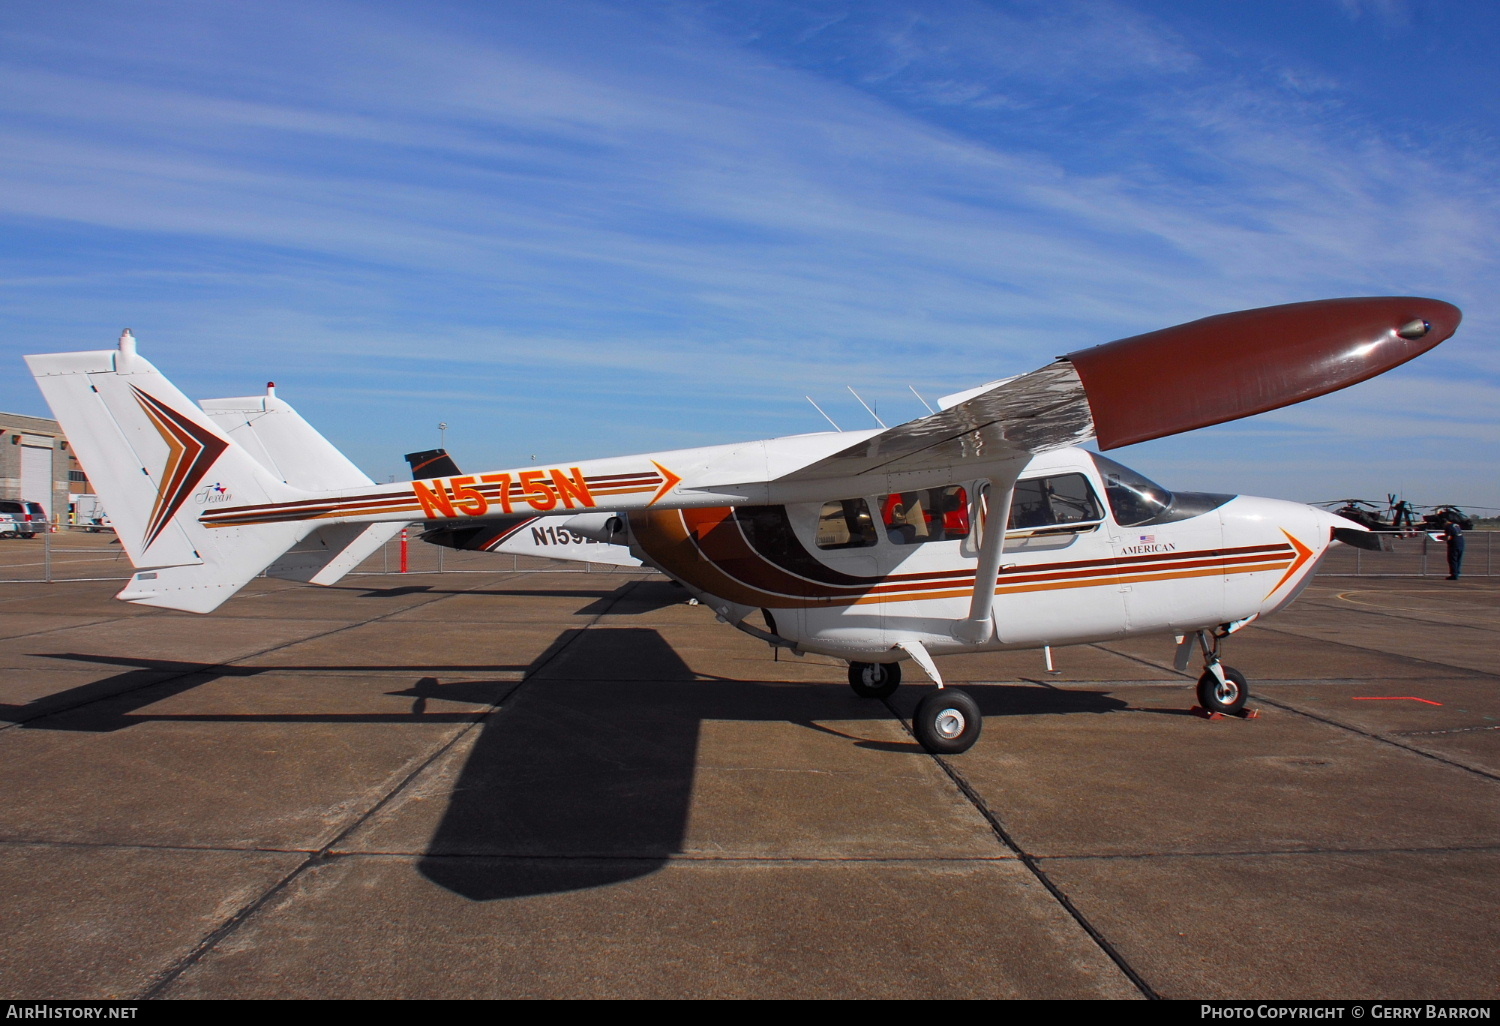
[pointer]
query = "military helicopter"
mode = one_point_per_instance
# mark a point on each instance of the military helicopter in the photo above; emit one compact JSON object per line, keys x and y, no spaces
{"x":1398,"y":516}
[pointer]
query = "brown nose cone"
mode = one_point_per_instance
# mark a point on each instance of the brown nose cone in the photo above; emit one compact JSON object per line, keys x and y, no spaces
{"x":1235,"y":365}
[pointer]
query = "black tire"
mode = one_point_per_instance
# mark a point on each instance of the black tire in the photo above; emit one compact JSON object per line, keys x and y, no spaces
{"x":874,"y":680}
{"x":28,"y":537}
{"x":947,"y":721}
{"x":1223,"y":699}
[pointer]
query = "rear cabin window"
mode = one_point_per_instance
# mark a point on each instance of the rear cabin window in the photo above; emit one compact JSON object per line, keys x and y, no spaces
{"x":1053,"y":502}
{"x":930,"y":514}
{"x":845,"y":524}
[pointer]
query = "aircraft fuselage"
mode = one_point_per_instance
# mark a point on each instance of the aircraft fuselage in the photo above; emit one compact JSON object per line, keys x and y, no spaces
{"x":1086,"y":559}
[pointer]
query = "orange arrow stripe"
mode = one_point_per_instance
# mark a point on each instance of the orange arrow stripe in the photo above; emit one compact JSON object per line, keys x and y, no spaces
{"x":672,"y":480}
{"x":1303,"y":555}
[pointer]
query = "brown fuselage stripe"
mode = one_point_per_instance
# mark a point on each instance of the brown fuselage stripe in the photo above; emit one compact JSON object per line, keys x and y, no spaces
{"x":372,"y":503}
{"x":705,"y":548}
{"x":720,"y":540}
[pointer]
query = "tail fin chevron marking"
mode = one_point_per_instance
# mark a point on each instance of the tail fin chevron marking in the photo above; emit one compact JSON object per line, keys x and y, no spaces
{"x":191,"y":453}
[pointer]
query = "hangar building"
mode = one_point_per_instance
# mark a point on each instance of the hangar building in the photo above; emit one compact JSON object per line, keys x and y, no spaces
{"x":38,"y":465}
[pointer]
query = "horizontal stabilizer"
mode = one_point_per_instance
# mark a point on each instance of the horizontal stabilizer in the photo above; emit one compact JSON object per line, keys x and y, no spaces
{"x":1362,"y":539}
{"x":546,"y":537}
{"x":331,"y":551}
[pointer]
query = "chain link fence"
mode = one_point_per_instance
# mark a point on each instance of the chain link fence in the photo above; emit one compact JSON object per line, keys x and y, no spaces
{"x":66,"y":552}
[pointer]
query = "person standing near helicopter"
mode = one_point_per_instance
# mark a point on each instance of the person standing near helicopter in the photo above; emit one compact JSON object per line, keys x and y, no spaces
{"x":1453,"y":536}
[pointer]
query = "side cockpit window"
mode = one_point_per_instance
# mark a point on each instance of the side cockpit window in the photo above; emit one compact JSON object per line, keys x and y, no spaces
{"x":846,"y":524}
{"x":926,"y":515}
{"x":1133,"y":498}
{"x":1059,"y":501}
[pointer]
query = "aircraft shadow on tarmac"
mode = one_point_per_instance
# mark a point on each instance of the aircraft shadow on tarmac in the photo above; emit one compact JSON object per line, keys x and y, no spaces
{"x":584,"y":775}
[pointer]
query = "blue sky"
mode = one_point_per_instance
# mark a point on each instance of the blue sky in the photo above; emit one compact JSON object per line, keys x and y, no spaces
{"x":577,"y":229}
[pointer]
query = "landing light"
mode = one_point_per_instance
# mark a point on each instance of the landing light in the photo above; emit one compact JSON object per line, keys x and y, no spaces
{"x":1414,"y":329}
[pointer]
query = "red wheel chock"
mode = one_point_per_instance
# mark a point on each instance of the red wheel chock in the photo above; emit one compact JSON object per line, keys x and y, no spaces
{"x":1244,"y":714}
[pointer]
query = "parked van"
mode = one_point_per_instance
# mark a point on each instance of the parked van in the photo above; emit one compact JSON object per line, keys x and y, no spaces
{"x":19,"y":518}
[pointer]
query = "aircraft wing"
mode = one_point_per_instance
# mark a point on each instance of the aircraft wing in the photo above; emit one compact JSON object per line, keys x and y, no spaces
{"x":1046,"y":409}
{"x":1161,"y":383}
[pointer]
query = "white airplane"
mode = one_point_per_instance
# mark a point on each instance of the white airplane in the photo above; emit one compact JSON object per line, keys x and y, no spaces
{"x":872,"y":546}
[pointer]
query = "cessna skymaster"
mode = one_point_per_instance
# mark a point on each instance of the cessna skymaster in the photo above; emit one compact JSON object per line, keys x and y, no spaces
{"x":980,"y":527}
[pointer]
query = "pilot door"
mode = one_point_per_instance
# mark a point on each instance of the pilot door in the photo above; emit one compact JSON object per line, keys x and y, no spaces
{"x":926,"y":558}
{"x":1057,"y":584}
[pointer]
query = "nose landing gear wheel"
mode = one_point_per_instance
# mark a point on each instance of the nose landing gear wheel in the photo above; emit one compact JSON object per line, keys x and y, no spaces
{"x":874,"y":680}
{"x":947,"y":722}
{"x":1228,"y":697}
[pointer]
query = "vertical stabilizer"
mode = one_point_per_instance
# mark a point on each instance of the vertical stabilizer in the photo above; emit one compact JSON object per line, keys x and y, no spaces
{"x":278,"y":437}
{"x":158,"y":462}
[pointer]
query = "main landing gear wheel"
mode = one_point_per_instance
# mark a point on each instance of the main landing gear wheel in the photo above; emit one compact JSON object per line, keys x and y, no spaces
{"x":1228,"y":697}
{"x":947,"y":722}
{"x":874,"y":680}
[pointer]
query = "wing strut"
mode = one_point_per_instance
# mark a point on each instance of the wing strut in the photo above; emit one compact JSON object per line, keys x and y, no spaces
{"x":992,"y":518}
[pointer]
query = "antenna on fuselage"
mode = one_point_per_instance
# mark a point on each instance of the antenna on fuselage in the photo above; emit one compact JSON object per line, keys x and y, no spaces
{"x":820,"y":410}
{"x":865,"y":405}
{"x":920,"y":399}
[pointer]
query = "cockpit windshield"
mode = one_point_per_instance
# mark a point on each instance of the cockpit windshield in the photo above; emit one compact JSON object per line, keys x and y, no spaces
{"x":1134,"y":498}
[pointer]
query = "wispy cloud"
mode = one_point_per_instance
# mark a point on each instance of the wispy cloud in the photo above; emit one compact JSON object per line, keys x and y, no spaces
{"x":681,"y":217}
{"x":1390,"y":14}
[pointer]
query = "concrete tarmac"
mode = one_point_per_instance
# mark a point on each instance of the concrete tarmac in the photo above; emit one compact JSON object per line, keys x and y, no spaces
{"x":527,"y":784}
